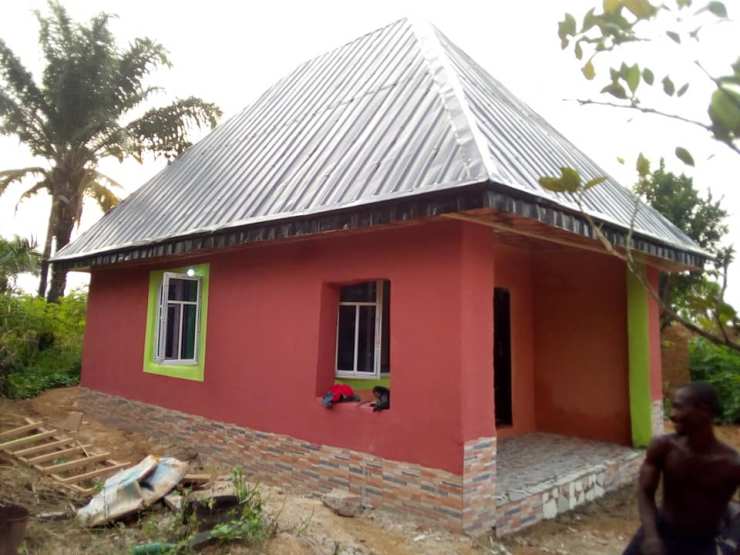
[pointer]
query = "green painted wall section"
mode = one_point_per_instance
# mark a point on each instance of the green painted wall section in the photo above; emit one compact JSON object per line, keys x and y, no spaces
{"x":193,"y":371}
{"x":638,"y":336}
{"x":362,"y":385}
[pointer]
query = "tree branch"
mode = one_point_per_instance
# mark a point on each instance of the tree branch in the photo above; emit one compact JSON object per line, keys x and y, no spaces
{"x":647,"y":110}
{"x":632,"y":267}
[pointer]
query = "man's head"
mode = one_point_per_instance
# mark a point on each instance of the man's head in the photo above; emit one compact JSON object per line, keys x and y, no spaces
{"x":694,"y":407}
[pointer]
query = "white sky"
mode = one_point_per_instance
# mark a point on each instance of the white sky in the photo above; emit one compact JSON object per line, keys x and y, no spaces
{"x":228,"y":52}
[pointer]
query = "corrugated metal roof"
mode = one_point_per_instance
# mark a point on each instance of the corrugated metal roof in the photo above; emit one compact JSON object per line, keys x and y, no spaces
{"x":395,"y":113}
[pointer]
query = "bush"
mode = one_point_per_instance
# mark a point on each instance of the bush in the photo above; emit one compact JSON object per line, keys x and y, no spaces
{"x":40,"y":343}
{"x":720,"y":367}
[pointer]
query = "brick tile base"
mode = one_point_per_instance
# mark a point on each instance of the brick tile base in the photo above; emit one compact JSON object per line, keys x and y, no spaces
{"x":549,"y":499}
{"x":656,"y":417}
{"x":431,"y":496}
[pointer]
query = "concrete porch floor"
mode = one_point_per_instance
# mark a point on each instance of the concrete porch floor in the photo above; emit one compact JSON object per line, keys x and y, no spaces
{"x":542,"y":475}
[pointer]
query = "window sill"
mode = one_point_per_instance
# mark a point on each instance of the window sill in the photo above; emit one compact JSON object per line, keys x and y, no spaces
{"x":350,"y":406}
{"x":183,"y":371}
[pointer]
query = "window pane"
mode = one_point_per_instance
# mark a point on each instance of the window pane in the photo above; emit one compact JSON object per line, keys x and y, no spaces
{"x":188,"y":332}
{"x":361,"y":292}
{"x":366,"y":342}
{"x":346,"y":338}
{"x":183,"y":290}
{"x":172,"y":334}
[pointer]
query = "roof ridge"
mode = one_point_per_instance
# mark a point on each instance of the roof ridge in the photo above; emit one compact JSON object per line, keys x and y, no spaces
{"x":451,"y":94}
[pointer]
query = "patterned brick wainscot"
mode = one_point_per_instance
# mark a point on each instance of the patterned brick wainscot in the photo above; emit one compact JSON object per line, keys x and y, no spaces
{"x":430,"y":496}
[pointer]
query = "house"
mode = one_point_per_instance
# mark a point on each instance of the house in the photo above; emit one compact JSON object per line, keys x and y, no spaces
{"x":375,"y":218}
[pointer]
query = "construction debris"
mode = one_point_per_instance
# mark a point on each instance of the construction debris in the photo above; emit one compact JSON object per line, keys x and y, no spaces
{"x":212,"y":505}
{"x":66,"y":460}
{"x":133,"y":490}
{"x":173,"y":501}
{"x":343,"y":502}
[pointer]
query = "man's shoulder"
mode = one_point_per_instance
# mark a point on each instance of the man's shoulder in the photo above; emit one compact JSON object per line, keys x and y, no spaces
{"x":729,"y":453}
{"x":660,"y":446}
{"x":665,"y":441}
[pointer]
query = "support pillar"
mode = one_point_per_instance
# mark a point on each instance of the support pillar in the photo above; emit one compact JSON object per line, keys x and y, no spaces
{"x":643,"y":335}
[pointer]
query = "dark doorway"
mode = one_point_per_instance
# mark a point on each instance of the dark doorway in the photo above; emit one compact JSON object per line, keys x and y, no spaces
{"x":502,"y":355}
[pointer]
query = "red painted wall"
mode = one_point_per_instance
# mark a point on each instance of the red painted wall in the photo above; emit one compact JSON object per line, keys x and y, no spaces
{"x":271,"y":332}
{"x":581,"y":365}
{"x":514,"y":272}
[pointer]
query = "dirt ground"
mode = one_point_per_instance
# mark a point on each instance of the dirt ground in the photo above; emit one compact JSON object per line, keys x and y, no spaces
{"x":304,"y":524}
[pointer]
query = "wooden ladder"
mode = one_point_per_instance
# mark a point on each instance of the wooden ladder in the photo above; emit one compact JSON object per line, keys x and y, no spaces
{"x":65,"y":459}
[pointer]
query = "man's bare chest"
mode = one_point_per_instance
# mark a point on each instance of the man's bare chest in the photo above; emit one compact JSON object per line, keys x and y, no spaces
{"x":689,"y":471}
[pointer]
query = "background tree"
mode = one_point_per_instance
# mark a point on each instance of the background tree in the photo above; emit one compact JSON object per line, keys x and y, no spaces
{"x":626,"y":22}
{"x":81,"y":112}
{"x":619,"y":24}
{"x":704,"y":220}
{"x":17,"y":256}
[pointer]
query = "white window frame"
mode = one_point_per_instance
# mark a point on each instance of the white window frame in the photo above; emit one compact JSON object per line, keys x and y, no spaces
{"x":378,"y":304}
{"x":161,"y":332}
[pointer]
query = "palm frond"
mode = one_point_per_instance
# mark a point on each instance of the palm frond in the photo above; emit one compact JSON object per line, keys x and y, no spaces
{"x":18,"y":80}
{"x":102,"y":178}
{"x":164,"y":131}
{"x":8,"y":177}
{"x":105,"y":198}
{"x":35,"y":189}
{"x":18,"y":255}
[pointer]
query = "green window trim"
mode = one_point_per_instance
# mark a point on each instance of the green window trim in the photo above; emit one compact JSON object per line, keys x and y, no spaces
{"x":186,"y":371}
{"x":363,"y":384}
{"x":638,"y":335}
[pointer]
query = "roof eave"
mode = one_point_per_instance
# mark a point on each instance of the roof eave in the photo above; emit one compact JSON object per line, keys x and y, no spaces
{"x":474,"y":196}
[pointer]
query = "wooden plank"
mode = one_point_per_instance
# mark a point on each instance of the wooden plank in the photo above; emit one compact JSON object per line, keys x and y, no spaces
{"x":196,"y":478}
{"x":90,"y":475}
{"x":62,"y":467}
{"x":19,"y":430}
{"x":80,"y":489}
{"x":28,"y":439}
{"x":41,"y":448}
{"x":56,"y":454}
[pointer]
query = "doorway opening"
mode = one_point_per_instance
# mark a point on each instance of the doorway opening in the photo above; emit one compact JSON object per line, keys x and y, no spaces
{"x":502,"y":356}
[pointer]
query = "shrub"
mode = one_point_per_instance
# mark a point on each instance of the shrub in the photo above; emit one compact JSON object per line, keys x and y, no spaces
{"x":40,"y":342}
{"x":720,"y":367}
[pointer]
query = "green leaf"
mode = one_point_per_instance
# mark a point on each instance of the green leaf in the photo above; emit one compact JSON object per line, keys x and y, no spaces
{"x":717,"y":8}
{"x":724,"y":110}
{"x":620,"y":160}
{"x":668,"y":87}
{"x":568,"y":182}
{"x":632,"y":76}
{"x":593,"y":182}
{"x":616,"y":90}
{"x":640,"y":8}
{"x":675,"y":37}
{"x":566,"y":28}
{"x":612,"y":6}
{"x":588,"y":20}
{"x":684,"y":156}
{"x":682,"y":90}
{"x":588,"y":71}
{"x":683,"y":3}
{"x":642,"y":165}
{"x":579,"y":50}
{"x":571,"y":179}
{"x":647,"y":76}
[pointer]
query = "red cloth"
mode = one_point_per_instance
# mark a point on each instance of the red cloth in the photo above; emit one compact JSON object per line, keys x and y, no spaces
{"x":340,"y":390}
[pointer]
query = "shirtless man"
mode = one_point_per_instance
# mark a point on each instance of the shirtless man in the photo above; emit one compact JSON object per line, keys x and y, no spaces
{"x":700,"y":476}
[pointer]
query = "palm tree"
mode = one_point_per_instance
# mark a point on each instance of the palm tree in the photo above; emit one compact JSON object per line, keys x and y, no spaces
{"x":17,"y":255}
{"x":80,"y":113}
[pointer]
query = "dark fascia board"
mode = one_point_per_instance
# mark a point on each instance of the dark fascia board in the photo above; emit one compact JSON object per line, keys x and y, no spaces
{"x":485,"y":195}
